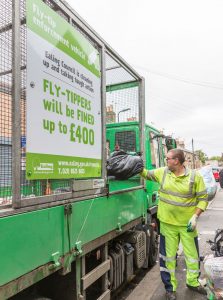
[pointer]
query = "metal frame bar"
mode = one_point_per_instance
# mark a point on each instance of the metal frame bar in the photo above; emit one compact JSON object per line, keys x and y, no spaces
{"x":104,"y":256}
{"x":63,"y":196}
{"x":78,"y":271}
{"x":105,"y":296}
{"x":95,"y":274}
{"x":54,"y":200}
{"x":9,"y":26}
{"x":61,"y":199}
{"x":142,"y":118}
{"x":10,"y":71}
{"x":113,"y":68}
{"x":83,"y":273}
{"x":122,"y":86}
{"x":16,"y":113}
{"x":139,"y":187}
{"x":103,"y":109}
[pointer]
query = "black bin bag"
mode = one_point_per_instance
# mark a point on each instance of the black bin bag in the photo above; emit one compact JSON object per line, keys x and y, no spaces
{"x":123,"y":166}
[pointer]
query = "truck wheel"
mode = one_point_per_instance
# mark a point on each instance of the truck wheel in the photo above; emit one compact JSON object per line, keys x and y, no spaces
{"x":153,"y":247}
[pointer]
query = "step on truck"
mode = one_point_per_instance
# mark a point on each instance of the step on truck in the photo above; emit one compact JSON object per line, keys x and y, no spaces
{"x":67,"y":231}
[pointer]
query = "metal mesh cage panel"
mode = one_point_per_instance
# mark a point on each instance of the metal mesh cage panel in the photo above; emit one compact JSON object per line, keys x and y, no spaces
{"x":126,"y":140}
{"x":122,"y":105}
{"x":5,"y":102}
{"x":122,"y":97}
{"x":115,"y":72}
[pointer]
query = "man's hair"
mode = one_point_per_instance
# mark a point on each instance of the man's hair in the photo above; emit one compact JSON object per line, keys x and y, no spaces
{"x":178,"y":153}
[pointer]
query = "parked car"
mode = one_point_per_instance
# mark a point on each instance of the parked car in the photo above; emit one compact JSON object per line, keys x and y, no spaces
{"x":209,"y":180}
{"x":215,"y":172}
{"x":221,"y":177}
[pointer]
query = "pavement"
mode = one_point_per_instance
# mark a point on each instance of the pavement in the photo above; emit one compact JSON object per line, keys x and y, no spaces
{"x":151,"y":286}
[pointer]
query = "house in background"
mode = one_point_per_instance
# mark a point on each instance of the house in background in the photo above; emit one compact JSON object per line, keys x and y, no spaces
{"x":192,"y":160}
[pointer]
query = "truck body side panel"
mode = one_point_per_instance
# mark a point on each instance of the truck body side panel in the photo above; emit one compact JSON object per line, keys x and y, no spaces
{"x":30,"y":239}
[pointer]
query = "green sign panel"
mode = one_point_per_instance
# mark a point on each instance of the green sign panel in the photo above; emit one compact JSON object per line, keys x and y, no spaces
{"x":64,"y":134}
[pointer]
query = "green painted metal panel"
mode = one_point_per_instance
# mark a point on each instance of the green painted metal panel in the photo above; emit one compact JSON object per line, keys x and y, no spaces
{"x":116,"y":185}
{"x":99,"y":216}
{"x":28,"y":240}
{"x":121,"y":86}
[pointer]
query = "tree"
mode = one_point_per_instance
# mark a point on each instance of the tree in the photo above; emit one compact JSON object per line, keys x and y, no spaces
{"x":218,"y":158}
{"x":202,"y":156}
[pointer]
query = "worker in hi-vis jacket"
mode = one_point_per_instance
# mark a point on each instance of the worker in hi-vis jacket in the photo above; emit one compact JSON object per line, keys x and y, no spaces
{"x":182,"y":198}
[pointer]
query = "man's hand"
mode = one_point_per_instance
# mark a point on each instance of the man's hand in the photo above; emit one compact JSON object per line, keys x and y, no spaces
{"x":192,"y":224}
{"x":144,"y":173}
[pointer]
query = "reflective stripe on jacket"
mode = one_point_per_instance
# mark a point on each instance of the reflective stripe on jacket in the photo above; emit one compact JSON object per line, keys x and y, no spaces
{"x":179,"y":195}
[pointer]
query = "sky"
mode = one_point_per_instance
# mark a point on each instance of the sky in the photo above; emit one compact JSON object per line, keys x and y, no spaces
{"x":177,"y":46}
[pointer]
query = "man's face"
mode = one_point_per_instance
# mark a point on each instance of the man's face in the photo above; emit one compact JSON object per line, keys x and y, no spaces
{"x":171,"y":161}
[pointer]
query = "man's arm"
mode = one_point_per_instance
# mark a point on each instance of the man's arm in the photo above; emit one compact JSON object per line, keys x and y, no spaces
{"x":144,"y":173}
{"x":198,"y":211}
{"x":153,"y":175}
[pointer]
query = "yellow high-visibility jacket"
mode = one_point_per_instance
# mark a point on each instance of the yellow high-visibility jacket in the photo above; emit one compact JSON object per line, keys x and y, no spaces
{"x":179,"y":196}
